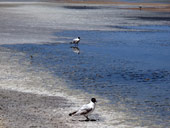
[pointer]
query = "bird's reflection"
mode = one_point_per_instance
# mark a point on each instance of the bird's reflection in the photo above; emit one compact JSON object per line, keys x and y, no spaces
{"x":75,"y":49}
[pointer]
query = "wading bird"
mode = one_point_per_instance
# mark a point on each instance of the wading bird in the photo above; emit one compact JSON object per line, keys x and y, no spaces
{"x":86,"y":109}
{"x":75,"y":41}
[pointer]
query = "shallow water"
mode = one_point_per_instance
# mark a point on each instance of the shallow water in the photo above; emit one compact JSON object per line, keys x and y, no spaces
{"x":124,"y":55}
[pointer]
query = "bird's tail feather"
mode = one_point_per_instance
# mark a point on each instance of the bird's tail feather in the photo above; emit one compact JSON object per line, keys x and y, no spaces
{"x":70,"y":114}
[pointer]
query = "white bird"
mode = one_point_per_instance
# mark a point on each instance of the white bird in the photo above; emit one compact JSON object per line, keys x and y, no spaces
{"x":75,"y":41}
{"x":86,"y":109}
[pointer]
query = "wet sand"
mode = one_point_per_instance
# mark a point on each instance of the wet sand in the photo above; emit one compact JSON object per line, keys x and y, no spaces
{"x":20,"y":110}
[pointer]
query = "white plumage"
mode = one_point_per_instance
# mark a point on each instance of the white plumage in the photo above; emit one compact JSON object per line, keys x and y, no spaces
{"x":86,"y":109}
{"x":75,"y":41}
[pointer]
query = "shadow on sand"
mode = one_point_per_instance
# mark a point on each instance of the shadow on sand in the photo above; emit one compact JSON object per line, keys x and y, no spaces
{"x":87,"y":120}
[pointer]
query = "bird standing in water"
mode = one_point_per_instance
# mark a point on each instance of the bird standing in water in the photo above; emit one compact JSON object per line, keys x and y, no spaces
{"x":75,"y":41}
{"x":86,"y":109}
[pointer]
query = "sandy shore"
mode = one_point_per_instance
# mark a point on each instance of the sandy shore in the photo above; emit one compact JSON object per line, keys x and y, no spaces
{"x":20,"y":110}
{"x":22,"y":104}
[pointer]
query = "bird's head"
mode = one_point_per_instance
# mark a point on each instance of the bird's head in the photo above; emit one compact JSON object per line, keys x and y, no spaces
{"x":93,"y":100}
{"x":78,"y":37}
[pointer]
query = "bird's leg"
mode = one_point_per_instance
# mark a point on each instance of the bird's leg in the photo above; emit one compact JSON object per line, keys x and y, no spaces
{"x":87,"y":118}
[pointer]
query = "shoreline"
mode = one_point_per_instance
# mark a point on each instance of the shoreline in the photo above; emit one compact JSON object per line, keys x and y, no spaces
{"x":158,"y":7}
{"x":155,"y":7}
{"x":25,"y":96}
{"x":38,"y":99}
